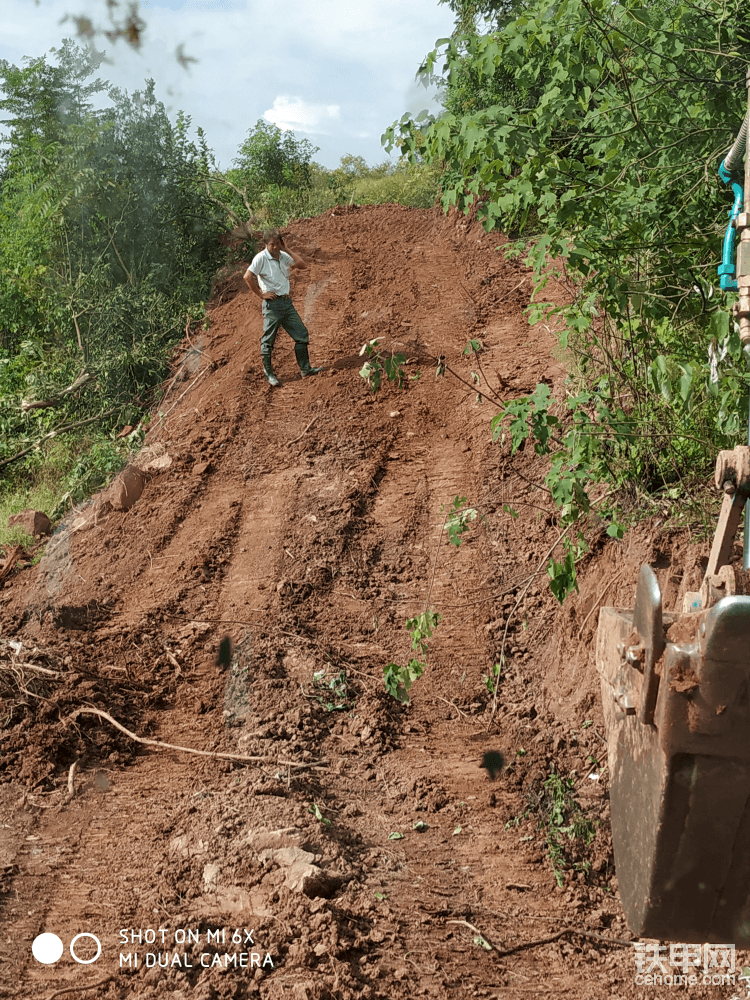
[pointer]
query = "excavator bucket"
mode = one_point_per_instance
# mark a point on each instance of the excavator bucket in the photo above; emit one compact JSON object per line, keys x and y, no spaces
{"x":676,"y":699}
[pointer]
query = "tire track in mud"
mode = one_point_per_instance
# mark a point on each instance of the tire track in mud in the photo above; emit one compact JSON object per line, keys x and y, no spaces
{"x":70,"y":859}
{"x":318,"y":519}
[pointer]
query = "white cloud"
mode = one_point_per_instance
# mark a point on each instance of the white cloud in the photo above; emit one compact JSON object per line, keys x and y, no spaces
{"x":352,"y":62}
{"x":295,"y":115}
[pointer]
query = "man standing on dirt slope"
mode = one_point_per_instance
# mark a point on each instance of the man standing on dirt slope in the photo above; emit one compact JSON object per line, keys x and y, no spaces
{"x":268,"y":278}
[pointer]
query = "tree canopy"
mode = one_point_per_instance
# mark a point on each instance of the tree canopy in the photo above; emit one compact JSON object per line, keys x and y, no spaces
{"x":107,"y":240}
{"x":592,"y":132}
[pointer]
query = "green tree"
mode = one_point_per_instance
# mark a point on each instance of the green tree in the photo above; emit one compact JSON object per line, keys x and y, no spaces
{"x":271,"y":157}
{"x":609,"y":141}
{"x":42,"y":99}
{"x":107,"y":241}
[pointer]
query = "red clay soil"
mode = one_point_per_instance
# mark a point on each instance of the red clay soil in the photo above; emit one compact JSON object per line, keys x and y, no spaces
{"x":362,"y":852}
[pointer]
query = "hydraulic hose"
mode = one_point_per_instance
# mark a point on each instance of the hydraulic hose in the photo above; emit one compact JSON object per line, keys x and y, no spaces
{"x":736,"y":153}
{"x":735,"y":274}
{"x":745,"y":133}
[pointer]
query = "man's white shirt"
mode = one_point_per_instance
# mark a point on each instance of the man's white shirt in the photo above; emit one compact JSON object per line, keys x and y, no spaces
{"x":272,"y":274}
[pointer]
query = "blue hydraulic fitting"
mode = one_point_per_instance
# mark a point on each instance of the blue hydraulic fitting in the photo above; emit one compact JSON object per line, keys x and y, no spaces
{"x":728,"y":282}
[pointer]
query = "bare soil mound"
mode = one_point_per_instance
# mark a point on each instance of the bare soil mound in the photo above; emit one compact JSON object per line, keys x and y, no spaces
{"x":361,"y":851}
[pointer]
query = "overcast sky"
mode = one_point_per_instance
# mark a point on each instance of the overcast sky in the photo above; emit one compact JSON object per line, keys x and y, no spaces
{"x":337,"y":72}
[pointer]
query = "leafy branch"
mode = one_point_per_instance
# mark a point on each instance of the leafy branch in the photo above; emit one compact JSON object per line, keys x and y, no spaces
{"x":399,"y":679}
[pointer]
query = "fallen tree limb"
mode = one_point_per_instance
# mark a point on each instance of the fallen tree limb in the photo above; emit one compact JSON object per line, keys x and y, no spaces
{"x":83,"y":379}
{"x":81,"y":989}
{"x":172,"y":746}
{"x":576,"y":932}
{"x":55,"y":433}
{"x":299,"y":438}
{"x":536,"y":942}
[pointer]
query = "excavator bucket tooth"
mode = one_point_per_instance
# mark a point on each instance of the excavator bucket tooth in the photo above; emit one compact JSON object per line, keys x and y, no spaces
{"x":676,"y":698}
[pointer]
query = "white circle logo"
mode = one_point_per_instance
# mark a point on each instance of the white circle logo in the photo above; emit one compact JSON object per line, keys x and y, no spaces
{"x":85,"y":961}
{"x":47,"y":948}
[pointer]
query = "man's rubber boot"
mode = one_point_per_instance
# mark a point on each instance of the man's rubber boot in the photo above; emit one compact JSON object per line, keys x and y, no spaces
{"x":272,"y":380}
{"x":303,"y":360}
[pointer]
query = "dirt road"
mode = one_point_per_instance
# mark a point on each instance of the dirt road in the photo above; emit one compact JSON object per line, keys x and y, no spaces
{"x":362,"y":852}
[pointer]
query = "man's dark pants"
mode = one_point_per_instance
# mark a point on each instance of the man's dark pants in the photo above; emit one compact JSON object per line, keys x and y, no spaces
{"x":280,"y":312}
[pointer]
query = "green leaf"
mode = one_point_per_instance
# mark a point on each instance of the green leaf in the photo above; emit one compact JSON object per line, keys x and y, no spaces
{"x":562,"y":577}
{"x":318,"y":814}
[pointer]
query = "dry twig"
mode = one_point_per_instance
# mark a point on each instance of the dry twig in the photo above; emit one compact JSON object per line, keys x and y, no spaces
{"x":452,"y":704}
{"x":618,"y":942}
{"x":235,"y":621}
{"x":536,"y":942}
{"x":172,"y":746}
{"x":72,"y":781}
{"x":198,"y":377}
{"x":81,"y":989}
{"x":16,"y":553}
{"x":521,"y":596}
{"x":476,"y":930}
{"x":173,"y":659}
{"x":304,"y":431}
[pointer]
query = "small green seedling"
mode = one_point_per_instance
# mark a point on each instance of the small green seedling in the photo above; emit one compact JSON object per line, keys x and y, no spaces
{"x":377,"y":364}
{"x":490,"y":680}
{"x":459,"y":519}
{"x":473,"y":347}
{"x":318,"y":814}
{"x":561,"y":816}
{"x":331,"y":691}
{"x":517,"y":820}
{"x":398,"y":679}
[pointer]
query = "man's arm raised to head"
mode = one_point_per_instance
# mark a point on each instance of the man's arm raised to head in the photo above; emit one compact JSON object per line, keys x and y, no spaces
{"x":297,"y":261}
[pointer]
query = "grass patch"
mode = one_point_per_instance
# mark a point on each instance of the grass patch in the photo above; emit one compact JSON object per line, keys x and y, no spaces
{"x":565,"y":829}
{"x":62,"y":474}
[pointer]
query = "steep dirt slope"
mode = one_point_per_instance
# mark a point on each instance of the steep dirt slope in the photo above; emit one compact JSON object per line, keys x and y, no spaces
{"x":307,"y":524}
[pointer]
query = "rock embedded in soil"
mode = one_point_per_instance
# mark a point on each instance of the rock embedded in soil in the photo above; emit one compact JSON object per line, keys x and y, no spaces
{"x":127,"y":488}
{"x":33,"y":522}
